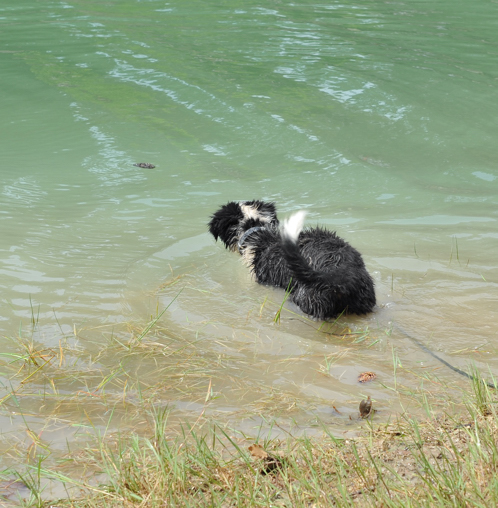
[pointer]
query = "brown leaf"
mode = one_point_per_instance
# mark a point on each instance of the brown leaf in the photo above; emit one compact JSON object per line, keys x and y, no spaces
{"x":257,"y":451}
{"x":365,"y":377}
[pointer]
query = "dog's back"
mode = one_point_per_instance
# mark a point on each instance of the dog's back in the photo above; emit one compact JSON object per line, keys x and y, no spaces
{"x":329,"y":275}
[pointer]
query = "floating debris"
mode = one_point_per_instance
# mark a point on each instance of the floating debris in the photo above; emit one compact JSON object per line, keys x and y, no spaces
{"x":145,"y":165}
{"x":365,"y":377}
{"x":366,"y":407}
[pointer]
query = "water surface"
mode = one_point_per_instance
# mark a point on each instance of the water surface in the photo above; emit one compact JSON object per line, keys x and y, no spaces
{"x":377,"y":118}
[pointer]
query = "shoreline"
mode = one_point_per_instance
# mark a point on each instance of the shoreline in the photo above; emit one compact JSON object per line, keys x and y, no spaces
{"x":447,"y":459}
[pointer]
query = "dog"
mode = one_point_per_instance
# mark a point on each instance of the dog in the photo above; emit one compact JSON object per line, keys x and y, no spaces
{"x":325,"y":276}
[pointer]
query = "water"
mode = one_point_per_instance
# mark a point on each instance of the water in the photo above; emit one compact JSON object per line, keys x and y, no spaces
{"x":377,"y":118}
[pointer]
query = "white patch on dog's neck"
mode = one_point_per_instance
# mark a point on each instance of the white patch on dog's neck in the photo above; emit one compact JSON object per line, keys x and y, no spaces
{"x":248,"y":256}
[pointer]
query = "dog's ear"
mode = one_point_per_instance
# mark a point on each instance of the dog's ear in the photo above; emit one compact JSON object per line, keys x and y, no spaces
{"x":224,"y":222}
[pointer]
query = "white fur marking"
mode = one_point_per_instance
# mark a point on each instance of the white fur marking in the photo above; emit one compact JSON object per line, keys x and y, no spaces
{"x":293,"y":225}
{"x":251,"y":212}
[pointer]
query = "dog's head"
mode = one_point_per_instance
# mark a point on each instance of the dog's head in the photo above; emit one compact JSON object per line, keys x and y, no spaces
{"x":231,"y":221}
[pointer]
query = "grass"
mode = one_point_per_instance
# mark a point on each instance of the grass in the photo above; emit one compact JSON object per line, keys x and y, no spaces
{"x":278,"y":314}
{"x":126,"y":448}
{"x":444,"y":461}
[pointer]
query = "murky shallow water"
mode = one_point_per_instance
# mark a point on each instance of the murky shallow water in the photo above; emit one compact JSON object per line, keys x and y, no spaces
{"x":379,"y":120}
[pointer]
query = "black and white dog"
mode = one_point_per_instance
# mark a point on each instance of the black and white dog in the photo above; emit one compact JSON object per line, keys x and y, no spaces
{"x":325,"y":275}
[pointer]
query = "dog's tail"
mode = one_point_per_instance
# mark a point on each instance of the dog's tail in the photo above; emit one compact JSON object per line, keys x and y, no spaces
{"x":293,"y":226}
{"x":299,"y":267}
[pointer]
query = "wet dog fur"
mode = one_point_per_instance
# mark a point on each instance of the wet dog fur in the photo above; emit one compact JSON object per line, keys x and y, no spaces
{"x":325,"y":275}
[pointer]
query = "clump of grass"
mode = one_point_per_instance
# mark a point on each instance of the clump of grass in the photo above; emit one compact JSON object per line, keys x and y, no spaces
{"x":276,"y":319}
{"x":482,"y":392}
{"x":441,"y":461}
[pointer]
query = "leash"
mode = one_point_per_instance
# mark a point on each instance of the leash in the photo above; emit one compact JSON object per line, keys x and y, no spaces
{"x":424,"y":348}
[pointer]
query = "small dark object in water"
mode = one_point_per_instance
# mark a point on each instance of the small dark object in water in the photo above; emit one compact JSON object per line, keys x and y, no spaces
{"x":145,"y":165}
{"x":366,"y":407}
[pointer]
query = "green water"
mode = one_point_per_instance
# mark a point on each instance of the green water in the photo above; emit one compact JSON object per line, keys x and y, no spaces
{"x":379,"y":118}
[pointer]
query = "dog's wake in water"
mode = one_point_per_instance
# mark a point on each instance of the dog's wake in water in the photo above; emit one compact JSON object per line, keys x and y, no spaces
{"x":325,"y":275}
